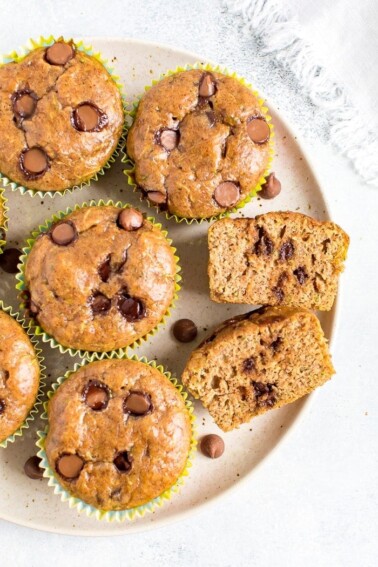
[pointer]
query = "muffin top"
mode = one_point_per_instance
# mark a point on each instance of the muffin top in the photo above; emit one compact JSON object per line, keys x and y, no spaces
{"x":19,"y":375}
{"x":101,"y":278}
{"x":200,"y":143}
{"x":119,"y":434}
{"x":61,"y":117}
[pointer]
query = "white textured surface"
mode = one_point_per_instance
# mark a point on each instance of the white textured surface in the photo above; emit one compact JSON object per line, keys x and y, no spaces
{"x":316,"y":501}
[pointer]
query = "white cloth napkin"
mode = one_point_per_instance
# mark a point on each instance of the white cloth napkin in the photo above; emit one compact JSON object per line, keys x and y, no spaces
{"x":332,"y":49}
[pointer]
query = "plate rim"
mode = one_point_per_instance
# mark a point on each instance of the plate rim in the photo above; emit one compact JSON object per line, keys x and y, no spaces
{"x":126,"y":528}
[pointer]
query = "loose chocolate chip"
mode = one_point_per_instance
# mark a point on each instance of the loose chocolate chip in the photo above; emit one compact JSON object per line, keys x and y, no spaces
{"x":212,"y":446}
{"x":131,"y":308}
{"x":258,"y":130}
{"x":123,"y":462}
{"x":271,"y":188}
{"x":32,"y":468}
{"x":264,"y":245}
{"x":99,"y":303}
{"x":227,"y":194}
{"x":9,"y":260}
{"x":59,"y":53}
{"x":137,"y":404}
{"x":63,"y":233}
{"x":105,"y":269}
{"x":2,"y":407}
{"x":24,"y":103}
{"x":130,"y":219}
{"x":34,"y":162}
{"x":184,"y":330}
{"x":169,"y":139}
{"x":286,"y":251}
{"x":69,"y":466}
{"x":87,"y":117}
{"x":96,"y":395}
{"x":207,"y":86}
{"x":249,"y":364}
{"x":156,"y":197}
{"x":301,"y":275}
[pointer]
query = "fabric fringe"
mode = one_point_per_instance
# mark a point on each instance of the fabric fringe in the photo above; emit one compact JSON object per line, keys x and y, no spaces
{"x":279,"y":33}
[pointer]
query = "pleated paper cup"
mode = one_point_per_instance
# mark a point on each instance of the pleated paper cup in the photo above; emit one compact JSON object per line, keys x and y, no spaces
{"x":3,"y":219}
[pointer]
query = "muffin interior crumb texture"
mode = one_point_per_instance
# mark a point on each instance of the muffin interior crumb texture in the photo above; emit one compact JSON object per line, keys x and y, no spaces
{"x":279,"y":258}
{"x":126,"y":452}
{"x":200,"y":143}
{"x":257,"y":362}
{"x":61,"y":117}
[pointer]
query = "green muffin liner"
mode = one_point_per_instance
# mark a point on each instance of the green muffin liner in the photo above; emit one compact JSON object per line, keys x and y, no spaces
{"x":117,"y":515}
{"x":33,"y":412}
{"x":4,"y":210}
{"x":22,"y":287}
{"x":45,"y":42}
{"x":130,"y":166}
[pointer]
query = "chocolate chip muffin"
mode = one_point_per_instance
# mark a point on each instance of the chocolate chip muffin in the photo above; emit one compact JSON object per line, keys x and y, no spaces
{"x":61,"y":117}
{"x":200,"y":143}
{"x":119,"y":434}
{"x":100,"y":278}
{"x":19,"y":375}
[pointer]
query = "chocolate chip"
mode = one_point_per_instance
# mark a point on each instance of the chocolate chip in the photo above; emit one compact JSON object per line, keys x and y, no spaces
{"x":96,"y":395}
{"x":184,"y":330}
{"x":59,"y":53}
{"x":207,"y":86}
{"x":137,"y":404}
{"x":9,"y":260}
{"x":258,"y":130}
{"x":271,"y":188}
{"x":105,"y":269}
{"x":99,"y":303}
{"x":275,"y":345}
{"x":264,"y":245}
{"x":123,"y":462}
{"x":131,"y":308}
{"x":212,"y":446}
{"x":34,"y":162}
{"x":87,"y":117}
{"x":301,"y":275}
{"x":4,"y":377}
{"x":169,"y":139}
{"x":227,"y":194}
{"x":211,"y":118}
{"x":286,"y":251}
{"x":69,"y":466}
{"x":156,"y":197}
{"x":130,"y":219}
{"x":32,"y":468}
{"x":249,"y":364}
{"x":2,"y":406}
{"x":63,"y":233}
{"x":279,"y":293}
{"x":24,"y":103}
{"x":264,"y":394}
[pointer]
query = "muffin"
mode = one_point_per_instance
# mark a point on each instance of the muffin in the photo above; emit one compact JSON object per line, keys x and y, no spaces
{"x":19,"y":376}
{"x":61,"y":117}
{"x":100,"y":278}
{"x":200,"y":143}
{"x":257,"y":362}
{"x":279,"y":258}
{"x":119,"y":434}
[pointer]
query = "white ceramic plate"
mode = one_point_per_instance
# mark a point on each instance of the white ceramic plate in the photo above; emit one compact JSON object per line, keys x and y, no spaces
{"x":32,"y":503}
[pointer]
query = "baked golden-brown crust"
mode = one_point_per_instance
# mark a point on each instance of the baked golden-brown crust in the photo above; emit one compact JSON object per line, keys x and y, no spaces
{"x":157,"y":443}
{"x":256,"y":362}
{"x":74,"y":156}
{"x":19,"y":375}
{"x":209,"y":145}
{"x":279,"y":258}
{"x":77,"y":290}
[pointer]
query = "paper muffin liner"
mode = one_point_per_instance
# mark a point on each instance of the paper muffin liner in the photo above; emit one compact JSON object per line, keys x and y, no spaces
{"x":131,"y":513}
{"x":130,"y":166}
{"x":3,"y":212}
{"x":38,"y":352}
{"x":22,"y":287}
{"x":15,"y":56}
